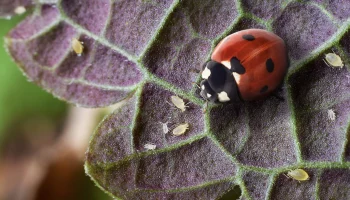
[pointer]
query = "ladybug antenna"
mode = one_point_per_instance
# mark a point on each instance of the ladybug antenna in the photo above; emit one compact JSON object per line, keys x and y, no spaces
{"x":196,"y":71}
{"x":194,"y":83}
{"x":206,"y":106}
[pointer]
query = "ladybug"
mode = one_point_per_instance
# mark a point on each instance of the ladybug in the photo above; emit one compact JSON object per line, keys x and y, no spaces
{"x":247,"y":65}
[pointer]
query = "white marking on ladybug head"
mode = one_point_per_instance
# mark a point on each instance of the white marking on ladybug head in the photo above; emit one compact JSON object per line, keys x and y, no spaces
{"x":203,"y":87}
{"x":237,"y":77}
{"x":226,"y":63}
{"x":206,"y":73}
{"x":223,"y":97}
{"x":208,"y":95}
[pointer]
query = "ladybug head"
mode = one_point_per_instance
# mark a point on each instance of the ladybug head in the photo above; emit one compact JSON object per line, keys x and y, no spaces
{"x":219,"y":84}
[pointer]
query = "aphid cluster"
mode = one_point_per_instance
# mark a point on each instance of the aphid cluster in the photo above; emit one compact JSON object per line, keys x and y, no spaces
{"x":180,"y":129}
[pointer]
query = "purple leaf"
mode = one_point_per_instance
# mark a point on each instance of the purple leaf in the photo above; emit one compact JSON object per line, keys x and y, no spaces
{"x":316,"y":89}
{"x":290,"y":189}
{"x":304,"y":27}
{"x":256,"y":184}
{"x":263,"y":9}
{"x":41,"y":45}
{"x":148,"y":51}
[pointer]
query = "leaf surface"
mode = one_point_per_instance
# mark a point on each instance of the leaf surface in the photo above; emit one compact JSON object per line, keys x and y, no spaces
{"x":150,"y":50}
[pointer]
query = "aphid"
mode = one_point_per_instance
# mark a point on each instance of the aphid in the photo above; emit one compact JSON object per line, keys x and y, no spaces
{"x":181,"y":129}
{"x":298,"y":174}
{"x":332,"y":59}
{"x":20,"y":10}
{"x":150,"y":146}
{"x":331,"y":114}
{"x":179,"y":103}
{"x":77,"y":46}
{"x":165,"y":127}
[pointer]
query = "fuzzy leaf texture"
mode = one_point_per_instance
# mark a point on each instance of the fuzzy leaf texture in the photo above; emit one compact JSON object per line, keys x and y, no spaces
{"x":149,"y":50}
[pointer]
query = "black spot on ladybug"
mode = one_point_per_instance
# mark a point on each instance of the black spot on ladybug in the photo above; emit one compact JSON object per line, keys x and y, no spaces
{"x":236,"y":66}
{"x":248,"y":37}
{"x":264,"y":89}
{"x":269,"y":65}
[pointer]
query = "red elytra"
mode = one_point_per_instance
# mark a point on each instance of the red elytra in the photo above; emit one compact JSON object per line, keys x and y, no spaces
{"x":263,"y":56}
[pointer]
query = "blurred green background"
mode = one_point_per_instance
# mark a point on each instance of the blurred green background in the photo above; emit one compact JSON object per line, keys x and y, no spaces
{"x":27,"y":115}
{"x":21,"y":100}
